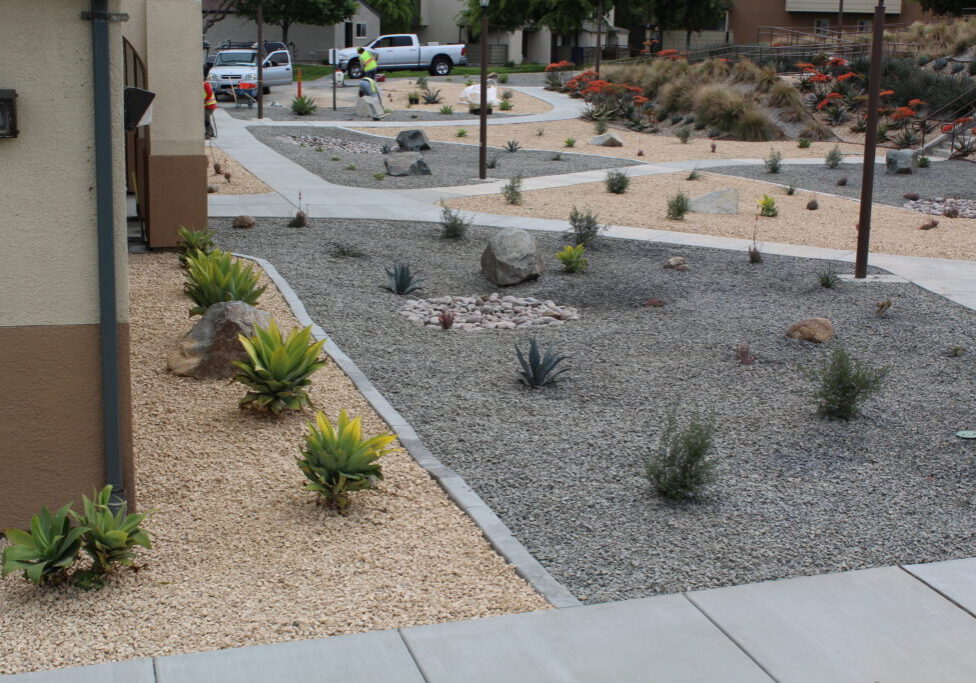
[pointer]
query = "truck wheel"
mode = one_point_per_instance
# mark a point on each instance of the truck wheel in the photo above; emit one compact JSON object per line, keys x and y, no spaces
{"x":267,"y":90}
{"x":441,"y":66}
{"x":354,"y":70}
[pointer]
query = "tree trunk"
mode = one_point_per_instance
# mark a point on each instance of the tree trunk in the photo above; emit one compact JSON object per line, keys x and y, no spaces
{"x":687,"y":41}
{"x":284,"y":32}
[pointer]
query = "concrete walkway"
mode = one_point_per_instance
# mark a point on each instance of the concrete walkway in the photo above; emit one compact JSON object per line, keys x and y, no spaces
{"x":893,"y":624}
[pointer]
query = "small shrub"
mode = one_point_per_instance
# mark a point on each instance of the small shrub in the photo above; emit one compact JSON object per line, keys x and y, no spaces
{"x":400,"y":280}
{"x":446,"y":319}
{"x":842,"y":181}
{"x":492,"y":162}
{"x":334,"y":158}
{"x":767,"y":207}
{"x":350,"y":167}
{"x":506,"y":105}
{"x":678,"y":205}
{"x":774,"y":161}
{"x":912,"y":196}
{"x":379,"y":175}
{"x":319,"y":149}
{"x":791,"y":188}
{"x":828,"y":278}
{"x":569,"y":142}
{"x":303,"y":106}
{"x":755,"y":253}
{"x":753,"y":126}
{"x":617,"y":182}
{"x":558,"y":156}
{"x":676,"y":119}
{"x":929,"y":224}
{"x":693,"y":175}
{"x":600,"y":126}
{"x":956,"y":351}
{"x":512,"y":191}
{"x":110,"y":537}
{"x":503,"y":78}
{"x":468,"y":82}
{"x":743,"y":355}
{"x":217,"y":276}
{"x":413,"y":98}
{"x":422,"y":83}
{"x":803,"y":143}
{"x":386,"y":148}
{"x":453,"y":224}
{"x":538,"y":369}
{"x":939,"y":64}
{"x":859,"y":125}
{"x":446,"y":110}
{"x":461,"y":133}
{"x":337,"y":460}
{"x":834,"y":157}
{"x":683,"y":134}
{"x":584,"y":228}
{"x":925,"y":162}
{"x":47,"y":551}
{"x":572,"y":258}
{"x":882,"y":307}
{"x":813,"y":205}
{"x":342,"y":250}
{"x":277,"y":370}
{"x":193,"y":241}
{"x":432,"y":97}
{"x":299,"y":221}
{"x":844,"y":385}
{"x":681,"y":465}
{"x":950,"y":210}
{"x":700,"y":125}
{"x":513,"y":146}
{"x":540,"y":132}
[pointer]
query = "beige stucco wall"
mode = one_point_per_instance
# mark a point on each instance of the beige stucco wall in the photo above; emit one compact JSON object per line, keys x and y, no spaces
{"x":48,"y":245}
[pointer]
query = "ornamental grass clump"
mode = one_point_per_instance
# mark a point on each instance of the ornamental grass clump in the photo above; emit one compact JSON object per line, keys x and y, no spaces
{"x":584,"y":227}
{"x":193,"y":241}
{"x":303,"y":106}
{"x":844,"y":384}
{"x":678,"y":206}
{"x":834,"y":157}
{"x":337,"y":460}
{"x":774,"y":161}
{"x":277,"y":370}
{"x":682,"y":463}
{"x":617,"y":182}
{"x":453,"y":224}
{"x":217,"y":276}
{"x":538,"y":369}
{"x":572,"y":258}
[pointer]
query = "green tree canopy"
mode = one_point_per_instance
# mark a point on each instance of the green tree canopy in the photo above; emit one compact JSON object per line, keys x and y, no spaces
{"x":952,"y":7}
{"x":284,"y":13}
{"x":560,"y":16}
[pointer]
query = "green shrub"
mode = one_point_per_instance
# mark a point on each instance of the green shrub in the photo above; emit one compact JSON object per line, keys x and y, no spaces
{"x":337,"y":460}
{"x":569,"y":142}
{"x":299,"y":221}
{"x":924,"y":162}
{"x":461,"y":133}
{"x":767,"y":207}
{"x":110,"y":537}
{"x":601,"y":126}
{"x":834,"y":157}
{"x":513,"y":146}
{"x":678,"y":206}
{"x":217,"y":276}
{"x":379,"y":175}
{"x":192,"y":241}
{"x":791,"y":188}
{"x":506,"y":105}
{"x":681,"y":465}
{"x":783,"y":95}
{"x":453,"y":225}
{"x":422,"y":83}
{"x":47,"y":551}
{"x":844,"y":385}
{"x":617,"y":182}
{"x":584,"y":228}
{"x":719,"y":106}
{"x":683,"y":134}
{"x":401,"y":280}
{"x":539,"y":369}
{"x":828,"y":278}
{"x":413,"y":98}
{"x":446,"y":110}
{"x":503,"y":78}
{"x":492,"y":162}
{"x":277,"y":370}
{"x":803,"y":143}
{"x":303,"y":106}
{"x":512,"y":191}
{"x":432,"y":97}
{"x":753,"y":126}
{"x":693,"y":175}
{"x":774,"y":161}
{"x":572,"y":258}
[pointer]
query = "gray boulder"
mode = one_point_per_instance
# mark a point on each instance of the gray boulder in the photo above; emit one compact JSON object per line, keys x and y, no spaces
{"x":406,"y":163}
{"x":511,"y":257}
{"x":607,"y":140}
{"x":720,"y":201}
{"x":207,"y":350}
{"x":900,"y":161}
{"x":244,"y":222}
{"x":412,"y":140}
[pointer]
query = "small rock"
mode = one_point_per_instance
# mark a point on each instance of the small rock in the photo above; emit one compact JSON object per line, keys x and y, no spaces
{"x":816,"y":330}
{"x":677,"y":263}
{"x":244,"y":222}
{"x":212,"y":188}
{"x":607,"y":140}
{"x":654,"y":303}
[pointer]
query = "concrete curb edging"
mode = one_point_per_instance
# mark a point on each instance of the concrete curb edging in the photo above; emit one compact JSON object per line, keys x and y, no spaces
{"x":494,"y":529}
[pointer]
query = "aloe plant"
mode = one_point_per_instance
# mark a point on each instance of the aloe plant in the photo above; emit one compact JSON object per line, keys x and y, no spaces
{"x":47,"y":551}
{"x":217,"y":276}
{"x":109,"y":537}
{"x":192,"y":241}
{"x":277,"y":369}
{"x":400,"y":280}
{"x":537,"y":368}
{"x":338,"y":460}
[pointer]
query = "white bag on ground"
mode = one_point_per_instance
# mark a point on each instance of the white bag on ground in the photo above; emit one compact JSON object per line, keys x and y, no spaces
{"x":472,"y":95}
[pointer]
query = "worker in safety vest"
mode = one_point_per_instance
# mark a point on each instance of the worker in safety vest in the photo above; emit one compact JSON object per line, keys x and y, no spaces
{"x":209,"y":104}
{"x":369,"y":89}
{"x":367,"y":59}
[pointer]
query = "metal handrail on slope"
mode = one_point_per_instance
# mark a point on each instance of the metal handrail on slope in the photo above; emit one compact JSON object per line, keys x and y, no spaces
{"x":950,"y":111}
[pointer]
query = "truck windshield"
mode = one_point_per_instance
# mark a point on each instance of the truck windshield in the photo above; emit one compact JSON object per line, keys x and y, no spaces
{"x":235,"y":59}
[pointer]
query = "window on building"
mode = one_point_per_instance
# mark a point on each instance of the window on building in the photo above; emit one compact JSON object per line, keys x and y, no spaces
{"x":863,"y":25}
{"x":821,"y":25}
{"x":360,"y":29}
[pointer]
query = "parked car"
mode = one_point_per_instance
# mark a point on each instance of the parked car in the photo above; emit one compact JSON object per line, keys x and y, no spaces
{"x":402,"y":51}
{"x":230,"y":67}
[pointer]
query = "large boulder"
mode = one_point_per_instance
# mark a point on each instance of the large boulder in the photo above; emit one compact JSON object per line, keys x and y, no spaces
{"x":720,"y":201}
{"x":207,"y":350}
{"x":900,"y":161}
{"x":244,"y":222}
{"x":406,"y":163}
{"x":607,"y":140}
{"x":412,"y":140}
{"x":511,"y":257}
{"x":816,"y":330}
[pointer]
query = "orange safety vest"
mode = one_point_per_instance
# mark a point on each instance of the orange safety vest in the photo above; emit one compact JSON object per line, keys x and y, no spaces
{"x":209,"y":100}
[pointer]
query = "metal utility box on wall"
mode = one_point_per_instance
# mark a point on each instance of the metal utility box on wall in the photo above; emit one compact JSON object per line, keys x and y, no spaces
{"x":8,"y":114}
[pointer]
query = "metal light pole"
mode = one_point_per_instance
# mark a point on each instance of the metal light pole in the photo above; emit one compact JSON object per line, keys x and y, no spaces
{"x":870,"y":146}
{"x":483,"y":151}
{"x":260,"y":58}
{"x":840,"y":20}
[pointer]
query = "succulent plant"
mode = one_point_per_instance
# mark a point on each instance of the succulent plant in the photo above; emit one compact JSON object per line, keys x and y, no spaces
{"x":217,"y":276}
{"x":192,"y":241}
{"x":110,"y":537}
{"x":446,"y":319}
{"x":47,"y":551}
{"x":400,"y":280}
{"x":572,"y":258}
{"x":539,"y":369}
{"x":513,"y":146}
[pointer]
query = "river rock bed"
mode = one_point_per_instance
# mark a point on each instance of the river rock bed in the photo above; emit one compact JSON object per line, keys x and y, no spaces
{"x":333,"y":144}
{"x":491,"y":312}
{"x":937,"y":206}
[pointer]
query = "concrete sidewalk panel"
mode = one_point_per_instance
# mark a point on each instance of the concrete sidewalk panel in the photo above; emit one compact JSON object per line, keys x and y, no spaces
{"x":132,"y":671}
{"x":956,"y":579}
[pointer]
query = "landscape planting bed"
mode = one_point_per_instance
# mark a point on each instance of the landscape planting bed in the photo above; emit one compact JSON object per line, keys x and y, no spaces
{"x":795,"y":494}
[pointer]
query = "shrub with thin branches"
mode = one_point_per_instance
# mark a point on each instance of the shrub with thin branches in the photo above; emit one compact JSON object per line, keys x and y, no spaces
{"x":682,"y":463}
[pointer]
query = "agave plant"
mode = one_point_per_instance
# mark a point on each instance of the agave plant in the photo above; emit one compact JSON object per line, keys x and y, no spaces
{"x":109,"y":537}
{"x":277,"y":369}
{"x":539,"y":369}
{"x":47,"y":551}
{"x":400,"y":280}
{"x":217,"y":276}
{"x":192,"y":241}
{"x":338,"y":460}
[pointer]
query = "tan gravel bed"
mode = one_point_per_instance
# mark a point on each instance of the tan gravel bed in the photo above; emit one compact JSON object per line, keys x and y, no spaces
{"x":241,"y":180}
{"x":243,"y":555}
{"x":893,"y":231}
{"x":660,"y":147}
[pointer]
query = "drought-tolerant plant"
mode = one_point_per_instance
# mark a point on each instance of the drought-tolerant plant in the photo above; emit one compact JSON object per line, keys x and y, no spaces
{"x":47,"y":551}
{"x":834,"y":157}
{"x":682,"y":464}
{"x":320,"y":148}
{"x":693,"y":175}
{"x":277,"y":370}
{"x":540,"y":132}
{"x":453,"y":224}
{"x":513,"y":146}
{"x":906,"y":138}
{"x":350,"y":167}
{"x":432,"y":97}
{"x":600,"y":126}
{"x":503,"y":78}
{"x":767,"y":207}
{"x":939,"y":64}
{"x":924,"y":162}
{"x":558,"y":156}
{"x":828,"y":278}
{"x":569,"y":142}
{"x":379,"y":175}
{"x":193,"y":241}
{"x":956,"y":351}
{"x":337,"y":460}
{"x":446,"y":110}
{"x":584,"y":228}
{"x":617,"y":182}
{"x":492,"y":162}
{"x":446,"y":319}
{"x":882,"y":134}
{"x":400,"y":280}
{"x":537,"y":368}
{"x":813,"y":205}
{"x":844,"y":384}
{"x":468,"y":82}
{"x":678,"y":206}
{"x":683,"y":134}
{"x":422,"y":83}
{"x":299,"y":221}
{"x":803,"y":143}
{"x":461,"y":133}
{"x":110,"y":537}
{"x":343,"y":250}
{"x":572,"y":258}
{"x":304,"y":105}
{"x":774,"y":161}
{"x":335,"y":158}
{"x":859,"y":125}
{"x":882,"y":307}
{"x":512,"y":191}
{"x":413,"y":98}
{"x":755,"y":253}
{"x":506,"y":105}
{"x":217,"y":276}
{"x":929,"y":224}
{"x":743,"y":355}
{"x":386,"y":148}
{"x":791,"y":188}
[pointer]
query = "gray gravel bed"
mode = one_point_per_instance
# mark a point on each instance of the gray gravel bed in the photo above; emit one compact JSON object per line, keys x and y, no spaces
{"x":325,"y":113}
{"x":941,"y":179}
{"x":795,"y":494}
{"x":449,"y":164}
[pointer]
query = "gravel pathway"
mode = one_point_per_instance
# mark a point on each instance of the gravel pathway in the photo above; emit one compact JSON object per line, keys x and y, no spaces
{"x":796,"y":494}
{"x":449,"y":164}
{"x":941,"y":179}
{"x":344,"y":114}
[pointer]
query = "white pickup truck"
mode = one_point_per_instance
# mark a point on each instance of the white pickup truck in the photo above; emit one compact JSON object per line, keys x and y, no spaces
{"x":399,"y":51}
{"x":233,"y":66}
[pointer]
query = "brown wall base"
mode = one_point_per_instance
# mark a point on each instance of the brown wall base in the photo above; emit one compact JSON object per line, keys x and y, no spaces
{"x":177,"y":197}
{"x":51,"y":447}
